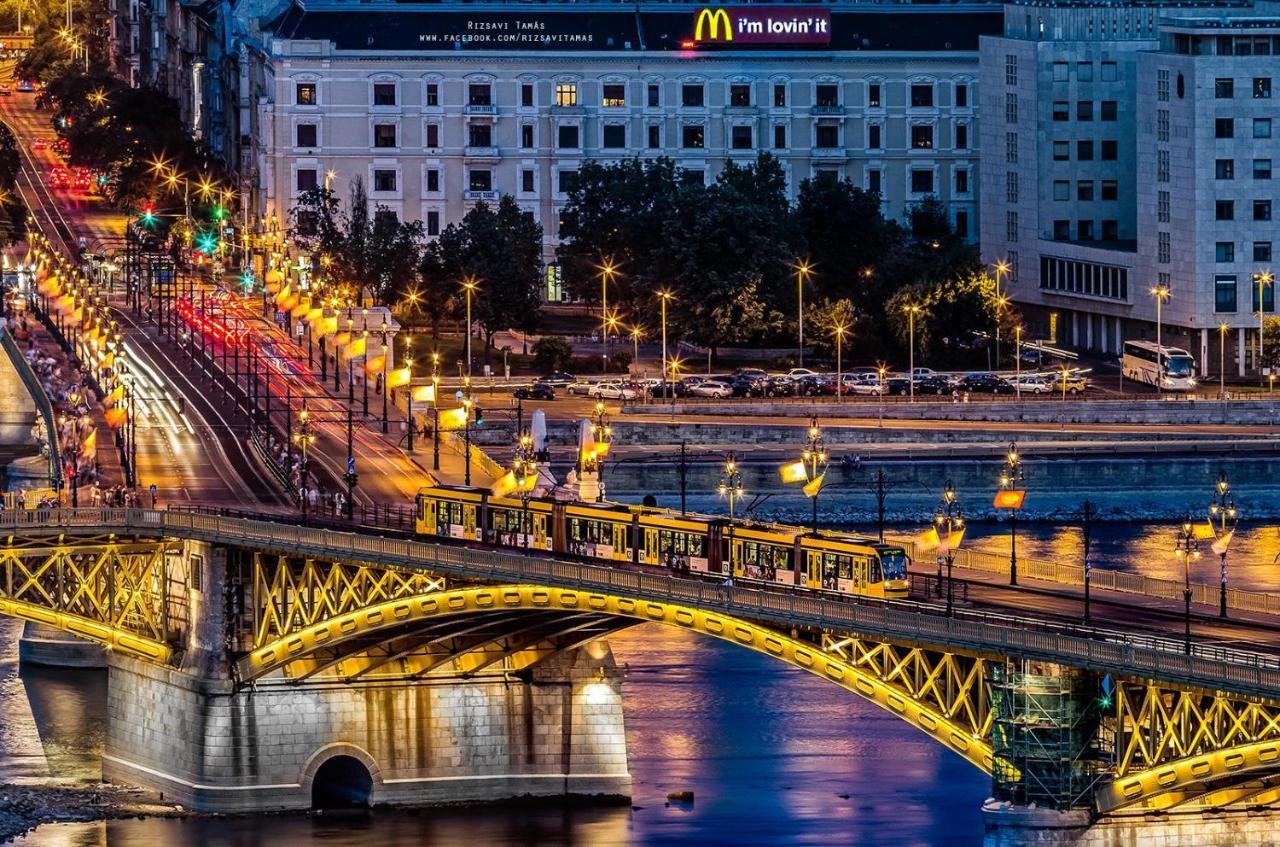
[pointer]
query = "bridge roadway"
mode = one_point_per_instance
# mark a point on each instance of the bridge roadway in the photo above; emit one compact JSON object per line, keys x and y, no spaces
{"x":1251,"y":673}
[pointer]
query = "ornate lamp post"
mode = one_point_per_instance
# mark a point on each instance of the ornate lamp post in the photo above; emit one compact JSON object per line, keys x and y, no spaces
{"x":304,"y":437}
{"x":731,"y":487}
{"x":949,"y":518}
{"x":1188,"y":550}
{"x":815,"y":465}
{"x":1010,"y":476}
{"x":525,"y":468}
{"x":664,"y":296}
{"x":601,"y":432}
{"x":607,"y":270}
{"x":1161,"y":294}
{"x":435,"y":411}
{"x":1223,"y":515}
{"x":803,"y":270}
{"x":469,"y":285}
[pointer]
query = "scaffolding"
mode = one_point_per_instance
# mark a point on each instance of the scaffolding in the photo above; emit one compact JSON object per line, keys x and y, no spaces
{"x":1045,"y":733}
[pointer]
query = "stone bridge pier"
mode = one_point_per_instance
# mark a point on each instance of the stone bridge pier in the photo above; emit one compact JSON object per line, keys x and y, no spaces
{"x":212,"y":742}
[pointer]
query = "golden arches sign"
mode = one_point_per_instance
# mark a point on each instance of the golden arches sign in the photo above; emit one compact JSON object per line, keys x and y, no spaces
{"x":713,"y":20}
{"x":394,"y":615}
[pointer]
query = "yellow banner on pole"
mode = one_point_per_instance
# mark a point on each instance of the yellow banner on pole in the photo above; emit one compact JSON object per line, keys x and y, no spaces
{"x":398,"y":377}
{"x":1219,"y":546}
{"x":355,"y":349}
{"x":375,"y":365}
{"x":453,"y":419}
{"x":300,"y":310}
{"x":793,"y":472}
{"x":813,"y":486}
{"x":424,"y":394}
{"x":90,"y":444}
{"x":116,"y":418}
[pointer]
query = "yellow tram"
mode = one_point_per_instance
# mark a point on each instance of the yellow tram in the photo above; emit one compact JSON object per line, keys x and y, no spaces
{"x":612,"y":532}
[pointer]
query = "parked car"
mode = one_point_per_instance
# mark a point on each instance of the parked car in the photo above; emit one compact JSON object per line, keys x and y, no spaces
{"x":816,"y":385}
{"x":985,"y":383}
{"x":935,"y":384}
{"x":711,"y":388}
{"x":1076,"y":383}
{"x":865,"y":383}
{"x":897,"y":385}
{"x":538,"y":391}
{"x":581,"y":387}
{"x":26,"y":86}
{"x":797,"y":373}
{"x":615,"y":389}
{"x":559,"y":379}
{"x":749,"y":382}
{"x":1032,"y":384}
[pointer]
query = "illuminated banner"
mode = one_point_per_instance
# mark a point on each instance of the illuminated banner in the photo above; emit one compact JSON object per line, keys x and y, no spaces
{"x":1009,"y":499}
{"x":763,"y":25}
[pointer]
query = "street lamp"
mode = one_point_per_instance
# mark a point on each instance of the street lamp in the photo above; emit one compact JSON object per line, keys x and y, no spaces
{"x":912,"y":310}
{"x":731,"y":487}
{"x":948,"y":518}
{"x":1222,"y":359}
{"x":1187,"y":549}
{"x":839,"y":330}
{"x":664,"y":295}
{"x":815,"y":465}
{"x":1063,"y":374}
{"x":1002,"y":267}
{"x":636,"y":332}
{"x":1017,"y":360}
{"x":607,"y":271}
{"x":435,"y":410}
{"x":469,"y":285}
{"x":1161,"y":294}
{"x":1263,"y":279}
{"x":304,"y":437}
{"x":601,"y":432}
{"x":524,"y":468}
{"x":803,"y":270}
{"x":1223,"y":515}
{"x":1010,"y":476}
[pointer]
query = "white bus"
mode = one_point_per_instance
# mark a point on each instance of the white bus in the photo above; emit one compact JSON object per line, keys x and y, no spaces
{"x":1178,"y":370}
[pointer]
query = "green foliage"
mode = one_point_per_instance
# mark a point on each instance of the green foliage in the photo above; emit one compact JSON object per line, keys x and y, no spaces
{"x":552,"y":353}
{"x":952,"y":314}
{"x":1271,"y":344}
{"x":13,"y":212}
{"x":821,"y":321}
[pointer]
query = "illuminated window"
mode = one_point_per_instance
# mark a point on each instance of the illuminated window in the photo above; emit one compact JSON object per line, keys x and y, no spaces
{"x":306,"y":93}
{"x":566,"y":94}
{"x":614,"y":96}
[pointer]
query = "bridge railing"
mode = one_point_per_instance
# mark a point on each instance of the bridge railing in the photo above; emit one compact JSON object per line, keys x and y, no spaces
{"x":1129,"y":654}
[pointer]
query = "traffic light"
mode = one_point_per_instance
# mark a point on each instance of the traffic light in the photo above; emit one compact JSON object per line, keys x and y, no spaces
{"x":148,"y":217}
{"x":207,"y":243}
{"x":219,"y":213}
{"x":479,"y":415}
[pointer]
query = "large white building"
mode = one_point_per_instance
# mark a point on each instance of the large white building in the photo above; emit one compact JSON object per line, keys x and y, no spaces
{"x":438,"y":107}
{"x":1127,"y":149}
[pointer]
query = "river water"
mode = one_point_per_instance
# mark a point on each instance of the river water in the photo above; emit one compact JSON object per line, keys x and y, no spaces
{"x":772,"y":754}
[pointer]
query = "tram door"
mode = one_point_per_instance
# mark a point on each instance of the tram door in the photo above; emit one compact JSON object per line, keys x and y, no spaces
{"x":429,"y":523}
{"x":651,"y":554}
{"x":469,"y":521}
{"x":621,"y":544}
{"x":737,"y":558}
{"x":813,"y":568}
{"x":540,"y":532}
{"x":861,"y":574}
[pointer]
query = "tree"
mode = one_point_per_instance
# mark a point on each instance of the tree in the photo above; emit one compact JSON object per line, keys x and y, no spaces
{"x":552,"y":353}
{"x":823,"y":318}
{"x":956,"y":317}
{"x":13,"y":212}
{"x":844,"y":236}
{"x":1271,"y":344}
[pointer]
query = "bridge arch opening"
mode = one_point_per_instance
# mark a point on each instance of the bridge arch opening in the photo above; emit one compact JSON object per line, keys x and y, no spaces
{"x":342,"y":782}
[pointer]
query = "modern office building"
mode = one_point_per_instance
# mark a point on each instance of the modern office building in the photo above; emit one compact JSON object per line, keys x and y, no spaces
{"x":1126,"y":159}
{"x":437,"y":108}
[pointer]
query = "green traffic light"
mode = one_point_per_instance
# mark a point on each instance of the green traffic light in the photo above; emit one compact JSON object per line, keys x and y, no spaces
{"x":219,"y":213}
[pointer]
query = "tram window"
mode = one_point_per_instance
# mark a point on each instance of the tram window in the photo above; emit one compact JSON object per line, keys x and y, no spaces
{"x":846,"y":567}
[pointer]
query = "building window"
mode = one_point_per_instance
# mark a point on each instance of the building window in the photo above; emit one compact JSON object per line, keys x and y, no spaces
{"x":654,"y":136}
{"x":1084,"y":110}
{"x":873,"y":136}
{"x":1010,"y":69}
{"x":779,"y":136}
{"x":1061,"y":110}
{"x":527,"y":177}
{"x":962,"y":96}
{"x":779,"y":95}
{"x":962,"y":181}
{"x":614,"y":96}
{"x":826,"y":136}
{"x":1109,"y":71}
{"x":1110,"y":230}
{"x":922,"y":96}
{"x":566,"y":94}
{"x":384,"y":135}
{"x":654,"y":94}
{"x":1224,"y":169}
{"x":1262,"y":127}
{"x":692,"y":136}
{"x":480,"y":179}
{"x":384,"y":180}
{"x":740,"y":138}
{"x":384,"y":94}
{"x":306,"y":93}
{"x":1224,"y":293}
{"x":691,"y":94}
{"x":921,"y":137}
{"x":1162,"y":206}
{"x":1162,"y":85}
{"x":307,"y":179}
{"x":1011,"y":148}
{"x":567,"y":137}
{"x":1262,"y":251}
{"x":1011,"y":226}
{"x":1061,"y":189}
{"x":526,"y":94}
{"x":1162,"y":248}
{"x":1262,"y":88}
{"x":433,"y":181}
{"x":1268,"y":297}
{"x":1262,"y":169}
{"x":921,"y":181}
{"x":1061,"y":151}
{"x":1224,"y":89}
{"x":873,"y":96}
{"x":962,"y":224}
{"x":1224,"y":251}
{"x":1262,"y":210}
{"x":568,"y":182}
{"x":740,"y":94}
{"x":433,"y":223}
{"x":1061,"y":72}
{"x":1011,"y":108}
{"x":1110,"y":189}
{"x":1084,"y":71}
{"x":479,"y":94}
{"x":1224,"y":210}
{"x":1011,"y":187}
{"x":826,"y":95}
{"x":433,"y":94}
{"x":962,"y":136}
{"x":615,"y":136}
{"x":433,"y":135}
{"x":1062,"y":230}
{"x":1162,"y":124}
{"x":1084,"y":230}
{"x":1224,"y":128}
{"x":1107,"y":111}
{"x":306,"y":135}
{"x":1084,"y":190}
{"x":480,"y":135}
{"x":873,"y":180}
{"x":1162,"y":165}
{"x":526,"y":136}
{"x":1110,"y":151}
{"x":1084,"y":151}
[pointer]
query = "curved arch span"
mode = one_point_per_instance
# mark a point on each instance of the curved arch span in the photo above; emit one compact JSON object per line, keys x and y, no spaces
{"x":394,"y":615}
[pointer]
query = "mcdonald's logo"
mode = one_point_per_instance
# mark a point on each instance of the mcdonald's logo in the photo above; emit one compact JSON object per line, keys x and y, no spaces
{"x":713,"y":20}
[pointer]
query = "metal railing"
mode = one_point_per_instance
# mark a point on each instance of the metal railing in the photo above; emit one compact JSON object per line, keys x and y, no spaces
{"x":1207,"y":665}
{"x":36,"y":390}
{"x":1107,"y":579}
